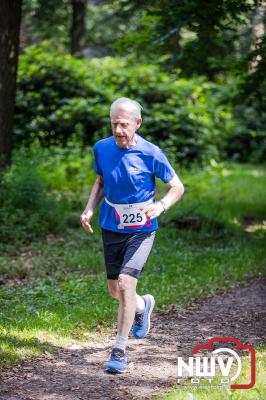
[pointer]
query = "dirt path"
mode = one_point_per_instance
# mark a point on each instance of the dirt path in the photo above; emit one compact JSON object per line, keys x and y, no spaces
{"x":78,"y":373}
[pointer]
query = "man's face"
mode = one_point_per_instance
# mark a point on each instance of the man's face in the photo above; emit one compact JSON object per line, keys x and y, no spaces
{"x":124,"y":126}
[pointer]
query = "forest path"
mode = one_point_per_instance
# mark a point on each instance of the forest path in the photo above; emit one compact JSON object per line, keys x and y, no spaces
{"x":78,"y":372}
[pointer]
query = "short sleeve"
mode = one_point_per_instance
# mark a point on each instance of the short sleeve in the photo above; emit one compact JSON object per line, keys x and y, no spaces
{"x":96,"y":165}
{"x":162,"y":168}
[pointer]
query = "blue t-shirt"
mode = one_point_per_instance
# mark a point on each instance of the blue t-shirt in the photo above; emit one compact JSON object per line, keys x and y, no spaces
{"x":129,"y":177}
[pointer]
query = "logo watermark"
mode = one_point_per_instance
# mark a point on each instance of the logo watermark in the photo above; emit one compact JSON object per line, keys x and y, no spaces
{"x":222,"y":364}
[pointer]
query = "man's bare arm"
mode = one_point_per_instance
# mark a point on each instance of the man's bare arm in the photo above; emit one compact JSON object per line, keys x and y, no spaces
{"x":175,"y":192}
{"x":95,"y":198}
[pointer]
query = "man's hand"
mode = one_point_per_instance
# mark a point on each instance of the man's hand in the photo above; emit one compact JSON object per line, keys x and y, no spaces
{"x":153,"y":210}
{"x":85,"y":220}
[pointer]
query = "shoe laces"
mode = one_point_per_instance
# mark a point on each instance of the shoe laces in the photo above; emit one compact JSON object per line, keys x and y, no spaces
{"x":139,"y":319}
{"x":117,"y":354}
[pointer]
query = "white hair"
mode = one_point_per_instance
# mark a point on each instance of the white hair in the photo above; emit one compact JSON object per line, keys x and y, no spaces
{"x":124,"y":103}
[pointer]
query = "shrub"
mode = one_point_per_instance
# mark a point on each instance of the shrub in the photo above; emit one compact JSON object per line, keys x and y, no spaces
{"x":66,"y":169}
{"x":249,"y":140}
{"x":56,"y":97}
{"x":29,"y":208}
{"x":59,"y":96}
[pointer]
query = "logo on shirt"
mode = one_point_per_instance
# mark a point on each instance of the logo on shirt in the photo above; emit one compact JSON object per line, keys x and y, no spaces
{"x":133,"y":170}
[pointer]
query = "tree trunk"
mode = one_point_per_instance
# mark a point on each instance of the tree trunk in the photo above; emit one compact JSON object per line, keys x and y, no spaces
{"x":258,"y":31}
{"x":10,"y":17}
{"x":78,"y":29}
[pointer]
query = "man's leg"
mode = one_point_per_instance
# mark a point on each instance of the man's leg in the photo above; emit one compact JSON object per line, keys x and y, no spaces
{"x":134,"y":250}
{"x":124,"y":290}
{"x":137,"y":252}
{"x":127,"y":304}
{"x":113,"y":288}
{"x":114,"y":292}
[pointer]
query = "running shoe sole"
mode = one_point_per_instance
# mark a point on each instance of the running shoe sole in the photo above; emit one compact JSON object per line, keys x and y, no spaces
{"x":115,"y":371}
{"x":150,"y":311}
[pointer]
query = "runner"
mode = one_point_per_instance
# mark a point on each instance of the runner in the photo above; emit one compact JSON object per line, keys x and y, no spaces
{"x":126,"y":166}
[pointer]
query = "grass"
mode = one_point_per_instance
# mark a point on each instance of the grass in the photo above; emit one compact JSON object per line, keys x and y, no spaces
{"x":255,"y":393}
{"x":54,"y":289}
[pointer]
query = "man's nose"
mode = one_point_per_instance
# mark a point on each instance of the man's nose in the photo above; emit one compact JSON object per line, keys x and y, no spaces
{"x":118,"y":129}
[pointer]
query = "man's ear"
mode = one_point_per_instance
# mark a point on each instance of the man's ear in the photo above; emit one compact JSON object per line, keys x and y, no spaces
{"x":139,"y":122}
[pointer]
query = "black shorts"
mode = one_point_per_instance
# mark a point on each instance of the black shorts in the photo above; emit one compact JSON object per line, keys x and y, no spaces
{"x":126,"y":253}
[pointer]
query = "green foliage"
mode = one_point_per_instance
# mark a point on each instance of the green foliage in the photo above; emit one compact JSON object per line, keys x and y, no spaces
{"x":250,"y":108}
{"x":248,"y":100}
{"x":42,"y":189}
{"x":187,"y":118}
{"x":28,"y":206}
{"x":59,"y":96}
{"x":49,"y":19}
{"x":217,"y":39}
{"x":66,"y":169}
{"x":198,"y":36}
{"x":249,"y":140}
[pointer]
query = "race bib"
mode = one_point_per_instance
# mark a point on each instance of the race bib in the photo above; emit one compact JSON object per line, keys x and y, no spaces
{"x":130,"y":215}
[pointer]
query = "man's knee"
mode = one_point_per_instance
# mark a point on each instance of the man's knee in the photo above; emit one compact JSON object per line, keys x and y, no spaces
{"x":114,"y":293}
{"x":126,"y":283}
{"x":113,"y":289}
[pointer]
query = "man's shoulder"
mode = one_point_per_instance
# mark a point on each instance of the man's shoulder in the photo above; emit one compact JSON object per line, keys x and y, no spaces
{"x":149,"y":147}
{"x":102,"y":143}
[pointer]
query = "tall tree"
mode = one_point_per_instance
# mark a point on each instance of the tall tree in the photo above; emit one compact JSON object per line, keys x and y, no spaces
{"x":61,"y":21}
{"x":199,"y":36}
{"x":78,"y":28}
{"x":46,"y":19}
{"x":10,"y":17}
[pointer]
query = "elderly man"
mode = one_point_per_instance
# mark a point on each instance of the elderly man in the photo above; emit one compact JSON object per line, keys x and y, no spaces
{"x":126,"y":166}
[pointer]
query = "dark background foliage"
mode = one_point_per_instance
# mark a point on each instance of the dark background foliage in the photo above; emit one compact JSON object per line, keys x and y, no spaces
{"x":219,"y":45}
{"x":196,"y":66}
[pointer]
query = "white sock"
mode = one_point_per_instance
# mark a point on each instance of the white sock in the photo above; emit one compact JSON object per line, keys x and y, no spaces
{"x":120,"y":342}
{"x":140,"y":304}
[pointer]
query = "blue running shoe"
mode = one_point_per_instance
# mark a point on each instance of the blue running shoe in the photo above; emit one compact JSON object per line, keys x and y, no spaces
{"x":117,"y":363}
{"x":142,"y":322}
